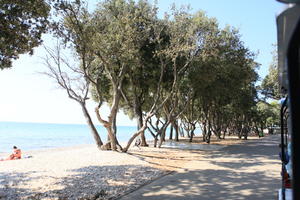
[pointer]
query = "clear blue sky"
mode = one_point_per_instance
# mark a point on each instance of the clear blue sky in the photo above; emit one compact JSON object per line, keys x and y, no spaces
{"x":30,"y":97}
{"x":254,"y":18}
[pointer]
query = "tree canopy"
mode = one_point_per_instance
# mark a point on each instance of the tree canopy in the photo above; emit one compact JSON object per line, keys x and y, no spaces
{"x":183,"y":69}
{"x":21,"y":26}
{"x":270,"y":84}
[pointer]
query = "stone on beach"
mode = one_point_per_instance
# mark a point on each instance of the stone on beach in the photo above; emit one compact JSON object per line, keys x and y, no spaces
{"x":84,"y":172}
{"x":73,"y":173}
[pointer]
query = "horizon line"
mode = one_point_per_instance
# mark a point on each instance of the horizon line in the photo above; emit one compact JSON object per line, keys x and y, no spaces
{"x":66,"y":123}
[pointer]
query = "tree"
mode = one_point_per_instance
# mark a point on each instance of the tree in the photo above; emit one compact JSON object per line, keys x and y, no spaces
{"x":270,"y":84}
{"x":123,"y":29}
{"x":21,"y":26}
{"x":106,"y":43}
{"x":71,"y":78}
{"x":182,"y":68}
{"x":140,"y":78}
{"x":274,"y":119}
{"x":74,"y":32}
{"x":222,"y":76}
{"x":185,"y":35}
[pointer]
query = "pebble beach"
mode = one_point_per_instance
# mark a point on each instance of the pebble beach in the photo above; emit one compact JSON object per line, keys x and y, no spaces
{"x":81,"y":172}
{"x":85,"y":173}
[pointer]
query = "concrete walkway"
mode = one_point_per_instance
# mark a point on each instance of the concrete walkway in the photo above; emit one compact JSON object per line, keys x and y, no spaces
{"x":239,"y":172}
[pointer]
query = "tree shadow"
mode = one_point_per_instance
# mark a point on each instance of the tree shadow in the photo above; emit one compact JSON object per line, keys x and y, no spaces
{"x":265,"y":151}
{"x":110,"y":182}
{"x":106,"y":181}
{"x":11,"y":185}
{"x":233,"y":180}
{"x":211,"y":185}
{"x":88,"y":182}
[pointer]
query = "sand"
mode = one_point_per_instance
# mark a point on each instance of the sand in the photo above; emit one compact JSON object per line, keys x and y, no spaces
{"x":84,"y":172}
{"x":73,"y":173}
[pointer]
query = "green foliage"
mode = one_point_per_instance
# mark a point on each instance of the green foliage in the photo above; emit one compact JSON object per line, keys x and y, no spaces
{"x":268,"y":114}
{"x":208,"y":74}
{"x":21,"y":26}
{"x":274,"y":113}
{"x":270,"y":84}
{"x":122,"y":43}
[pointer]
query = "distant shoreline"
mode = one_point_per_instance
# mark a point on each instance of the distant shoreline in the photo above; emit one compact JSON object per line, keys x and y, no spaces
{"x":35,"y":136}
{"x":56,"y":123}
{"x":229,"y":141}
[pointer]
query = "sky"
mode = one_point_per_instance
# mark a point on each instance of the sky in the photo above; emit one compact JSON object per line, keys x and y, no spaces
{"x":28,"y":96}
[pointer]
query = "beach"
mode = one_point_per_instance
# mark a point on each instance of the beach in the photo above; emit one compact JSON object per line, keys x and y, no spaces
{"x":73,"y":173}
{"x":84,"y":172}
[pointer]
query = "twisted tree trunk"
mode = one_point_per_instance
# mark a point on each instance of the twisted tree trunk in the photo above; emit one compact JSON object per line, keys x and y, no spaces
{"x":141,"y":130}
{"x":90,"y":123}
{"x":139,"y":115}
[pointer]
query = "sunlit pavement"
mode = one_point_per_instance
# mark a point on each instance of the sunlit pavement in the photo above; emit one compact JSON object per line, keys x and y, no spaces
{"x":245,"y":171}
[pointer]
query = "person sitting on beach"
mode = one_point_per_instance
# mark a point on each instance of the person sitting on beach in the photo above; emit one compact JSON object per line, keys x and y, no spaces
{"x":16,"y":154}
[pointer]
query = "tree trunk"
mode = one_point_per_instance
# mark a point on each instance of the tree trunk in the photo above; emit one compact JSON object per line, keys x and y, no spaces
{"x":148,"y":116}
{"x":218,"y":131}
{"x":108,"y":127}
{"x":271,"y":131}
{"x":262,"y":130}
{"x":171,"y":132}
{"x":113,"y":115}
{"x":90,"y":123}
{"x":114,"y":126}
{"x":176,"y":131}
{"x":204,"y":131}
{"x":192,"y":132}
{"x":155,"y":141}
{"x":139,"y":115}
{"x":188,"y":132}
{"x":239,"y":131}
{"x":162,"y":134}
{"x":256,"y":129}
{"x":181,"y":132}
{"x":224,"y":133}
{"x":114,"y":130}
{"x":207,"y":138}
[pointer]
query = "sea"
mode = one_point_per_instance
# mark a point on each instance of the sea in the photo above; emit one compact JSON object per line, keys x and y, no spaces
{"x":33,"y":136}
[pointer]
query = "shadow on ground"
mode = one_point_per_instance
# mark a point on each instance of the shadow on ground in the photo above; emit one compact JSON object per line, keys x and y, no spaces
{"x":253,"y":153}
{"x":207,"y":184}
{"x":212,"y":185}
{"x":13,"y":185}
{"x":232,"y":181}
{"x":89,"y":182}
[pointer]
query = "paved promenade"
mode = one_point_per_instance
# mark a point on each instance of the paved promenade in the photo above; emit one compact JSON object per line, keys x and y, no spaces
{"x":248,"y":171}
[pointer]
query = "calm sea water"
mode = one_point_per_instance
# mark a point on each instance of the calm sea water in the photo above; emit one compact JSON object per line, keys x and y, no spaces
{"x":31,"y":136}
